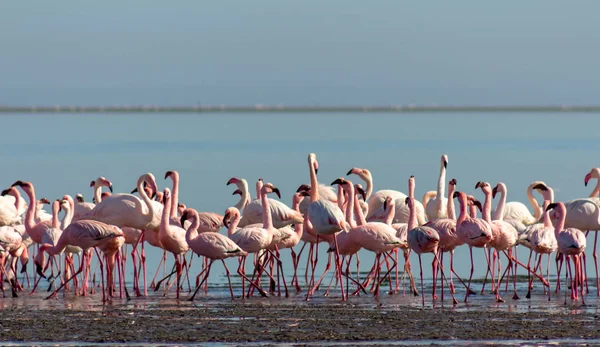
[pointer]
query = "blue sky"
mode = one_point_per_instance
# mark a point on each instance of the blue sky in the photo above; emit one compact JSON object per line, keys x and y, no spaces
{"x":301,"y":53}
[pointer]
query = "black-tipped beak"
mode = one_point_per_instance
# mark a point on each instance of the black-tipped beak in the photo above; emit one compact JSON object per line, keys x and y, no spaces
{"x":225,"y":219}
{"x":92,"y":183}
{"x":406,"y":200}
{"x":385,"y":204}
{"x":540,"y":187}
{"x":361,"y":192}
{"x":349,"y":172}
{"x":455,"y":195}
{"x":445,"y":164}
{"x":338,"y":181}
{"x":304,"y":193}
{"x":110,"y":188}
{"x":303,"y":188}
{"x":232,"y":180}
{"x":183,"y":218}
{"x":276,"y":191}
{"x":38,"y":269}
{"x":453,"y":181}
{"x":478,"y":204}
{"x":479,"y":184}
{"x":5,"y":192}
{"x":551,"y":206}
{"x":18,"y":183}
{"x":134,"y":191}
{"x":237,"y":191}
{"x":168,"y":173}
{"x":45,"y":201}
{"x":153,"y":195}
{"x":494,"y":192}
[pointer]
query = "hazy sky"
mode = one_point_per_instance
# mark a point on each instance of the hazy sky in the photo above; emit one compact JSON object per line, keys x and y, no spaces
{"x":304,"y":52}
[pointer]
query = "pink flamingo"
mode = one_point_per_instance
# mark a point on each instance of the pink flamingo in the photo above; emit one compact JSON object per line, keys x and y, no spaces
{"x":475,"y":232}
{"x":423,"y":239}
{"x":293,"y":237}
{"x":86,"y":234}
{"x":172,"y":237}
{"x":324,"y":217}
{"x":242,"y":190}
{"x":375,"y":201}
{"x":35,"y":230}
{"x":213,"y":246}
{"x":543,"y":241}
{"x":10,"y":241}
{"x":325,"y":192}
{"x":571,"y":242}
{"x":504,"y":236}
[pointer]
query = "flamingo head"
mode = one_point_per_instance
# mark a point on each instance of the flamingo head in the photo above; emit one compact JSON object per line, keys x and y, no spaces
{"x":494,"y":192}
{"x":237,"y":191}
{"x":230,"y":213}
{"x":485,"y":187}
{"x":298,"y":197}
{"x":312,"y":160}
{"x":233,"y":180}
{"x":56,"y":206}
{"x":181,"y":208}
{"x":452,"y":182}
{"x":26,"y":186}
{"x":44,"y":201}
{"x":594,"y":173}
{"x":339,"y":181}
{"x":270,"y":188}
{"x":92,"y":184}
{"x":304,"y":193}
{"x":166,"y":194}
{"x":444,"y":161}
{"x":541,"y":187}
{"x":64,"y":205}
{"x":388,"y":201}
{"x":359,"y":190}
{"x":188,"y":213}
{"x":79,"y":197}
{"x":172,"y":174}
{"x":474,"y":202}
{"x":303,"y":188}
{"x":362,"y":173}
{"x":106,"y":183}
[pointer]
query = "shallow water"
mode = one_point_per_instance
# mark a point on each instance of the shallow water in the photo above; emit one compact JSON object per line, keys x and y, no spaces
{"x":61,"y":153}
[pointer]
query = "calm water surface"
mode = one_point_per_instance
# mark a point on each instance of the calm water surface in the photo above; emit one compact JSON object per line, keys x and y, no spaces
{"x":62,"y":153}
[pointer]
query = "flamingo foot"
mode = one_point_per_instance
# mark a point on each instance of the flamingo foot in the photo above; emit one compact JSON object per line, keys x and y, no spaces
{"x":499,"y":300}
{"x":516,"y":297}
{"x":528,"y":296}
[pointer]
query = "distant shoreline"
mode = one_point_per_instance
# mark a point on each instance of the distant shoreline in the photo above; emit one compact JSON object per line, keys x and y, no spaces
{"x":289,"y":109}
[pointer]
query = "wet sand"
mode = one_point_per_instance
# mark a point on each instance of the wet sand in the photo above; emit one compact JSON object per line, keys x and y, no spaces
{"x":216,"y":319}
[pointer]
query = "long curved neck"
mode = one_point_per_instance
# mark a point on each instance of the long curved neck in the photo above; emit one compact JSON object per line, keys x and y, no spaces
{"x":390,"y":213}
{"x":164,"y":220}
{"x":233,"y":225}
{"x":560,"y":223}
{"x":450,"y":206}
{"x":267,"y":218}
{"x":98,"y":191}
{"x":298,"y":226}
{"x":259,"y":185}
{"x":463,"y":209}
{"x":314,"y":183}
{"x":174,"y":195}
{"x":487,"y":207}
{"x":369,"y":188}
{"x":15,"y":193}
{"x":441,"y":189}
{"x":67,"y":218}
{"x":536,"y":207}
{"x":31,"y":211}
{"x":340,"y":197}
{"x":499,"y":213}
{"x":412,"y":216}
{"x":243,"y":187}
{"x":192,"y":231}
{"x":547,"y":222}
{"x":350,"y":206}
{"x":139,"y":208}
{"x":55,"y":208}
{"x":596,"y":190}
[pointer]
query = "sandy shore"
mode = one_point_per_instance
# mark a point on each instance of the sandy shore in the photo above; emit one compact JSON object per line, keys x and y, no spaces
{"x":210,"y":319}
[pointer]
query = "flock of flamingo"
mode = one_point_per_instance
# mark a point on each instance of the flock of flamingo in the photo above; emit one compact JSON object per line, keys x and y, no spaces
{"x":347,"y":220}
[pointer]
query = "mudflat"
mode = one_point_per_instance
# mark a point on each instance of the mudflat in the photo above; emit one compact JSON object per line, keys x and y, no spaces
{"x":293,"y":320}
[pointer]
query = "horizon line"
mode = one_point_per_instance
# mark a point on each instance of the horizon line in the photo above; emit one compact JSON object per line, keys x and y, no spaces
{"x":299,"y":109}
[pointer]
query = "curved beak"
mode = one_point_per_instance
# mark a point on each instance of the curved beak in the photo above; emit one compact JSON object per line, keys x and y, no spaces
{"x":338,"y":181}
{"x":45,"y":201}
{"x":494,"y":192}
{"x":540,"y":187}
{"x":406,"y":200}
{"x":303,"y":188}
{"x":38,"y":269}
{"x":18,"y":183}
{"x":183,"y":218}
{"x":276,"y":191}
{"x":110,"y":187}
{"x":168,"y":173}
{"x":445,"y":164}
{"x":479,"y":184}
{"x":551,"y":206}
{"x":361,"y":192}
{"x":587,"y":179}
{"x":453,"y":182}
{"x":478,"y":204}
{"x":5,"y":191}
{"x":232,"y":180}
{"x":385,"y":203}
{"x":134,"y":191}
{"x":92,"y":183}
{"x":456,"y":194}
{"x":304,"y":193}
{"x":226,"y":219}
{"x":350,"y":172}
{"x":237,"y":191}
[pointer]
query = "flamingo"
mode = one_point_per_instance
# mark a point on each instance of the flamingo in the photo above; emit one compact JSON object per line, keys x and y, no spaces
{"x":435,"y":202}
{"x":86,"y":234}
{"x":517,"y":211}
{"x":127,"y":210}
{"x":214,"y":246}
{"x":571,"y":242}
{"x":10,"y":241}
{"x":172,"y":237}
{"x":242,"y":190}
{"x":35,"y":230}
{"x":324,"y":217}
{"x":475,"y":232}
{"x":293,"y":236}
{"x":504,"y":236}
{"x":325,"y":192}
{"x":375,"y":201}
{"x":10,"y":200}
{"x":543,"y":241}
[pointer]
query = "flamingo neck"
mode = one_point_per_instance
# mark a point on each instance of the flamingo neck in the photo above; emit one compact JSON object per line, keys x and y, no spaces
{"x":536,"y":207}
{"x":192,"y":231}
{"x":560,"y":223}
{"x":390,"y":213}
{"x":298,"y":226}
{"x":55,"y":210}
{"x":31,"y":211}
{"x":596,"y":190}
{"x":18,"y":198}
{"x":499,"y":213}
{"x":369,"y":189}
{"x":164,"y":220}
{"x":350,"y":205}
{"x":67,"y":218}
{"x":547,"y":222}
{"x":233,"y":225}
{"x":98,"y":191}
{"x":314,"y":183}
{"x":427,"y":197}
{"x":441,"y":189}
{"x":259,"y":185}
{"x":244,"y":198}
{"x":267,"y":218}
{"x":140,"y":208}
{"x":174,"y":195}
{"x":487,"y":207}
{"x":340,"y":197}
{"x":412,"y":216}
{"x":450,"y":206}
{"x":462,"y":202}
